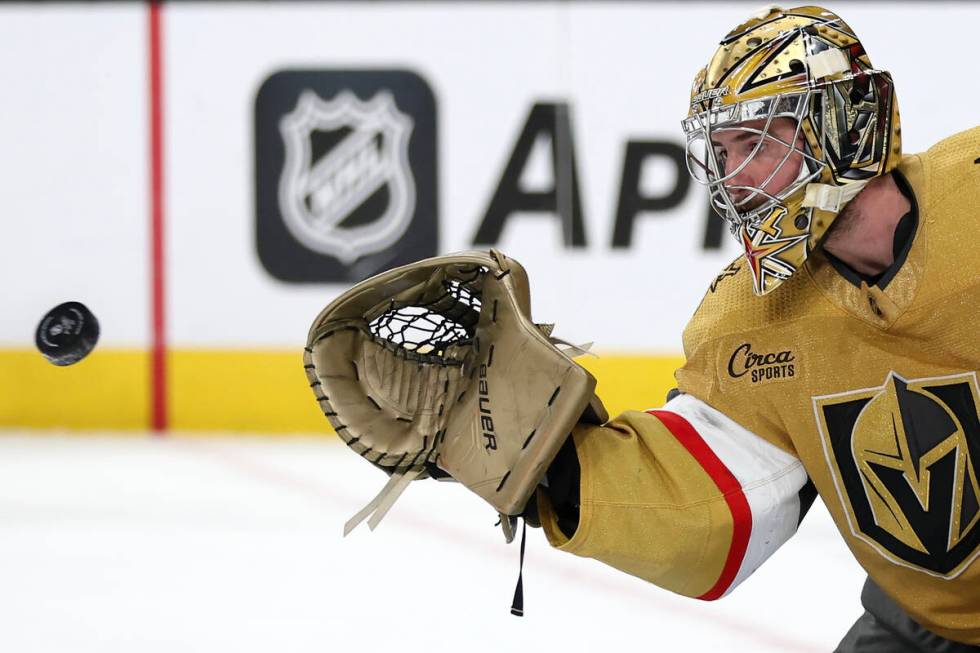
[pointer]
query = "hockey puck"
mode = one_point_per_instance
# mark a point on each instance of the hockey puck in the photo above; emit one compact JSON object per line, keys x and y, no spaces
{"x":67,"y":333}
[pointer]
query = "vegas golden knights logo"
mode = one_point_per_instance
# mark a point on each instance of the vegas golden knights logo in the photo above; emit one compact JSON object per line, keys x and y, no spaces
{"x":904,"y":458}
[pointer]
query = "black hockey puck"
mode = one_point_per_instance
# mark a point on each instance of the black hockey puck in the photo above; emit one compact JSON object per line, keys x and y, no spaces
{"x":67,"y":333}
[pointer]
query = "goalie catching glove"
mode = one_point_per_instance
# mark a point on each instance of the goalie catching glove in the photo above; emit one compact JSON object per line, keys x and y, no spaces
{"x":436,"y":368}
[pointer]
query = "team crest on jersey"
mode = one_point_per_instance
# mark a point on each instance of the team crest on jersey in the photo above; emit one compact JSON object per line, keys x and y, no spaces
{"x":905,"y":461}
{"x":366,"y":155}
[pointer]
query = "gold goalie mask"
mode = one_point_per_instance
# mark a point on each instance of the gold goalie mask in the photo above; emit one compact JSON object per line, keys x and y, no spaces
{"x":786,"y":124}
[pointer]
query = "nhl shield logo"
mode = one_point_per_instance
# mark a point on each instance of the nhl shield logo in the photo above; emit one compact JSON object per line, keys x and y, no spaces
{"x":325,"y":190}
{"x":346,"y":173}
{"x":905,"y":459}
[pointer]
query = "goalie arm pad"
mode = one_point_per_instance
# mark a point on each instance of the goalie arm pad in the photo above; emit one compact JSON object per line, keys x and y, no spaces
{"x":682,"y":497}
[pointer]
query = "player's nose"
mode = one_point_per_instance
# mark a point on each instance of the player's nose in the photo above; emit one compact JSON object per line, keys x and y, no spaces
{"x":738,"y":184}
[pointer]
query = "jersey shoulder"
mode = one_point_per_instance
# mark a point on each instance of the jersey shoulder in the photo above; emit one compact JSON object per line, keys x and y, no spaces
{"x":947,"y":175}
{"x":945,"y":181}
{"x":731,"y":307}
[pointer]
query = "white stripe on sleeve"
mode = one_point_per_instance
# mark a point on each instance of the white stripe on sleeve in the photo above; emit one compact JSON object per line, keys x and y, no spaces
{"x":771,"y":478}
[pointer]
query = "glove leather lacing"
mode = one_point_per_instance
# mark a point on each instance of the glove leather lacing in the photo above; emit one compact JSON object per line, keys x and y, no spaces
{"x":379,"y":506}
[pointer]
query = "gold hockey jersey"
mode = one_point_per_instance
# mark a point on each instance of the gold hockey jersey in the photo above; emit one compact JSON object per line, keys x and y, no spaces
{"x":870,"y":392}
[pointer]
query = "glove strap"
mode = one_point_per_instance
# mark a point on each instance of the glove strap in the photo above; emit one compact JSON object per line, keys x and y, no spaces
{"x":570,"y":349}
{"x":517,"y":606}
{"x":379,"y":505}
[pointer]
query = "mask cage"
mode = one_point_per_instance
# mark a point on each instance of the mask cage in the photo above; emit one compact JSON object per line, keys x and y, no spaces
{"x":706,"y":161}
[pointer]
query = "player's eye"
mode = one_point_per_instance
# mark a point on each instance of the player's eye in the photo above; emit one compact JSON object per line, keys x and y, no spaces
{"x":720,"y":154}
{"x":751,"y":145}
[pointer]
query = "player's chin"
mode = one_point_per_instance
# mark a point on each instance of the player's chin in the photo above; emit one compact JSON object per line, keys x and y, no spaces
{"x":746,"y":201}
{"x":749,"y":206}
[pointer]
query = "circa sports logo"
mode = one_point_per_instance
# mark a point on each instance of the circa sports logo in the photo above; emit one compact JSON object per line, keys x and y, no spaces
{"x":904,"y":459}
{"x":761,"y":366}
{"x":345,"y":173}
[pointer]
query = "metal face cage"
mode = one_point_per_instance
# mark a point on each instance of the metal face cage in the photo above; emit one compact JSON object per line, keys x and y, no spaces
{"x":707,"y":159}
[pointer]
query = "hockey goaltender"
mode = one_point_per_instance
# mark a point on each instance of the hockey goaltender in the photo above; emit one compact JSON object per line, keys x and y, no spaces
{"x":837,"y":356}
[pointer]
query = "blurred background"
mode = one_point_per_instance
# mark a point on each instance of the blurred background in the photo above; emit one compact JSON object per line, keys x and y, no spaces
{"x":207,"y":176}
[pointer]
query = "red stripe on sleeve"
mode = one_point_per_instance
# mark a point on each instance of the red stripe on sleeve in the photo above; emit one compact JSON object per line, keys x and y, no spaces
{"x":729,"y":487}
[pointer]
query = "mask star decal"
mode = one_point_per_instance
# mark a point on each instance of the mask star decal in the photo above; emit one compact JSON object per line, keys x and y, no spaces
{"x":760,"y":253}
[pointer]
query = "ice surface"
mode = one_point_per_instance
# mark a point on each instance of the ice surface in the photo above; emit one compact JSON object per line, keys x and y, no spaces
{"x":142,"y":544}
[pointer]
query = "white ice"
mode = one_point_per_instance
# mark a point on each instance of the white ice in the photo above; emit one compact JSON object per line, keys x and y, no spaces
{"x":143,"y":544}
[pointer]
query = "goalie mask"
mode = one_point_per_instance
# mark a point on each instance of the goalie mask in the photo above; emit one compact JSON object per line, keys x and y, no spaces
{"x":787,"y":123}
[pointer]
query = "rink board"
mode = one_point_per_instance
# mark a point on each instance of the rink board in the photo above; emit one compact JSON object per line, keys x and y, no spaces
{"x":507,"y":103}
{"x":251,"y":391}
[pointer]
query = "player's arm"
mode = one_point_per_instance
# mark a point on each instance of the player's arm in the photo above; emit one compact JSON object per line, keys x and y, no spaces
{"x":436,"y":368}
{"x":681,"y":496}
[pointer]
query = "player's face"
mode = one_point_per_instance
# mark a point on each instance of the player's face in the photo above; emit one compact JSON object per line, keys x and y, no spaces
{"x":770,"y":168}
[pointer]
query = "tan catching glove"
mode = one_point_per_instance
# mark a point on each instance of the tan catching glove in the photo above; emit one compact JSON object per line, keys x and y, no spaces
{"x":437,"y":367}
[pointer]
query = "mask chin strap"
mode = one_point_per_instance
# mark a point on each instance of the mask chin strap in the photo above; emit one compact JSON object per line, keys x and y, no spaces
{"x":831,"y":198}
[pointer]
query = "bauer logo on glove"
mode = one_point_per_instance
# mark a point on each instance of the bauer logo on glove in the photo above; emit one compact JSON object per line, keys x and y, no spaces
{"x":436,"y":368}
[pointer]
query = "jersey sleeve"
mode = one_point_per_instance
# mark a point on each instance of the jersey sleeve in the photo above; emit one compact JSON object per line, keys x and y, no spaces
{"x":682,"y":497}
